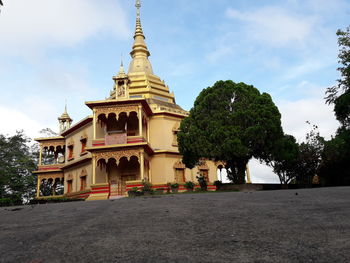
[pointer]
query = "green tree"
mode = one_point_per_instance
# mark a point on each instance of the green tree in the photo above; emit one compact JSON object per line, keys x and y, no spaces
{"x":335,"y":168}
{"x":285,"y":159}
{"x":17,"y":161}
{"x":230,"y":122}
{"x":340,"y":93}
{"x":310,"y":156}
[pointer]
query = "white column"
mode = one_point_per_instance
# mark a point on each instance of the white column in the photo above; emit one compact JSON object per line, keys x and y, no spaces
{"x":248,"y":175}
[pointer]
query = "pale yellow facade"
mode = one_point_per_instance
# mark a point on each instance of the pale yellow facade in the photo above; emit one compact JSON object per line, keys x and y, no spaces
{"x":130,"y":138}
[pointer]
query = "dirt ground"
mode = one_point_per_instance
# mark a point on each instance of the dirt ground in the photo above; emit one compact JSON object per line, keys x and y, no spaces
{"x":310,"y":225}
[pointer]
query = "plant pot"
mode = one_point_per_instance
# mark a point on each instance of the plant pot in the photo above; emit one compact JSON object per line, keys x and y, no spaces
{"x":132,"y":194}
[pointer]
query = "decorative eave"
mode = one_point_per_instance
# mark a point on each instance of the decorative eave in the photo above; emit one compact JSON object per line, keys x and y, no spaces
{"x":145,"y":145}
{"x":47,"y":139}
{"x":93,"y":104}
{"x":76,"y":163}
{"x":77,"y":126}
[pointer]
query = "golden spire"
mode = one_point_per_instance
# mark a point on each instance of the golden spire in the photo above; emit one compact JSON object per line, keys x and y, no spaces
{"x":65,"y":121}
{"x":121,"y":73}
{"x":65,"y":115}
{"x":139,"y":53}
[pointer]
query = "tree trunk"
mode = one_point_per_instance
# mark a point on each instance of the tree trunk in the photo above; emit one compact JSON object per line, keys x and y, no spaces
{"x":241,"y":170}
{"x":236,"y":171}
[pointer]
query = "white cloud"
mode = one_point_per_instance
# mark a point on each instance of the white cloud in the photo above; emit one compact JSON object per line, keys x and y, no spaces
{"x":308,"y":66}
{"x":33,"y":25}
{"x":275,"y":25}
{"x":296,"y":113}
{"x":261,"y":173}
{"x":14,"y":120}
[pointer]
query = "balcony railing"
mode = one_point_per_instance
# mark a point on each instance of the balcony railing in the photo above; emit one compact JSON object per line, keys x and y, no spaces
{"x":50,"y":167}
{"x":117,"y":139}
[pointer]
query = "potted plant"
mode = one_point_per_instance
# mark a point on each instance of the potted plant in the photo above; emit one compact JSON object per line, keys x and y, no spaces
{"x":218,"y":185}
{"x":189,"y":186}
{"x":133,"y":192}
{"x":146,"y":188}
{"x":202,"y":182}
{"x":174,"y":187}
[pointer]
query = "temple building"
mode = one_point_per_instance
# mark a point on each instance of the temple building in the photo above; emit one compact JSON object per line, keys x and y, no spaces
{"x":129,"y":138}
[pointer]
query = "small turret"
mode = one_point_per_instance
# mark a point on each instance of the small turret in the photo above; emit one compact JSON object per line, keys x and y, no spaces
{"x":121,"y":85}
{"x":65,"y":121}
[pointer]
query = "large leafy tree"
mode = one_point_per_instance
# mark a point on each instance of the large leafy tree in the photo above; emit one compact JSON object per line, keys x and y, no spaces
{"x":17,"y":161}
{"x":335,"y":168}
{"x":339,"y":94}
{"x":285,"y":159}
{"x":336,"y":154}
{"x":230,"y":122}
{"x":310,"y":156}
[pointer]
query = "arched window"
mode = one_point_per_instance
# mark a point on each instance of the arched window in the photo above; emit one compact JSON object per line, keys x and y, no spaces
{"x":83,"y":179}
{"x":179,"y":168}
{"x":203,"y":170}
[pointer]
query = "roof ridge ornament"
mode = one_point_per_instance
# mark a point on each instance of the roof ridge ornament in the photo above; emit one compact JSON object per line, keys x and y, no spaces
{"x":138,"y":6}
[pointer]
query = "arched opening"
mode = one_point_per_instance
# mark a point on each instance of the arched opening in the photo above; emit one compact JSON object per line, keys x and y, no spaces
{"x":46,"y":187}
{"x":53,"y":155}
{"x":59,"y":186}
{"x":115,"y":129}
{"x":119,"y":172}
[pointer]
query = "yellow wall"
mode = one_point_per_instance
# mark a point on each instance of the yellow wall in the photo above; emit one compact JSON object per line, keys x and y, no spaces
{"x":76,"y":173}
{"x":161,"y":132}
{"x":162,"y":169}
{"x":75,"y":137}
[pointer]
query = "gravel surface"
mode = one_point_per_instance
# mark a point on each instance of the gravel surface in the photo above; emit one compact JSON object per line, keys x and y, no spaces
{"x":309,"y":225}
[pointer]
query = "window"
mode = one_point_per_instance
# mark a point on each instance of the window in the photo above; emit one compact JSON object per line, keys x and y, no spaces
{"x":70,"y":152}
{"x":205,"y":174}
{"x":83,"y":146}
{"x":82,"y":183}
{"x":180,"y":175}
{"x":176,"y":129}
{"x":69,"y":186}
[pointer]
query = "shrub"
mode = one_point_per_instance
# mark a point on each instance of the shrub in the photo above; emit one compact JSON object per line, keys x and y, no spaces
{"x":218,"y":185}
{"x":202,"y":182}
{"x":189,"y":186}
{"x":174,"y":187}
{"x":160,"y":190}
{"x":5,"y":202}
{"x":54,"y":200}
{"x":134,"y":192}
{"x":146,"y":188}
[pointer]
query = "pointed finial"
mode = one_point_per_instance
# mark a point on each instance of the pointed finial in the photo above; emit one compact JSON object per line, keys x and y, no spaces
{"x":138,"y":6}
{"x":65,"y":106}
{"x":121,"y":70}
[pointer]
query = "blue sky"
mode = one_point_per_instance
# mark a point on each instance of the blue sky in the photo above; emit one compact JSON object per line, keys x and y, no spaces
{"x":53,"y":50}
